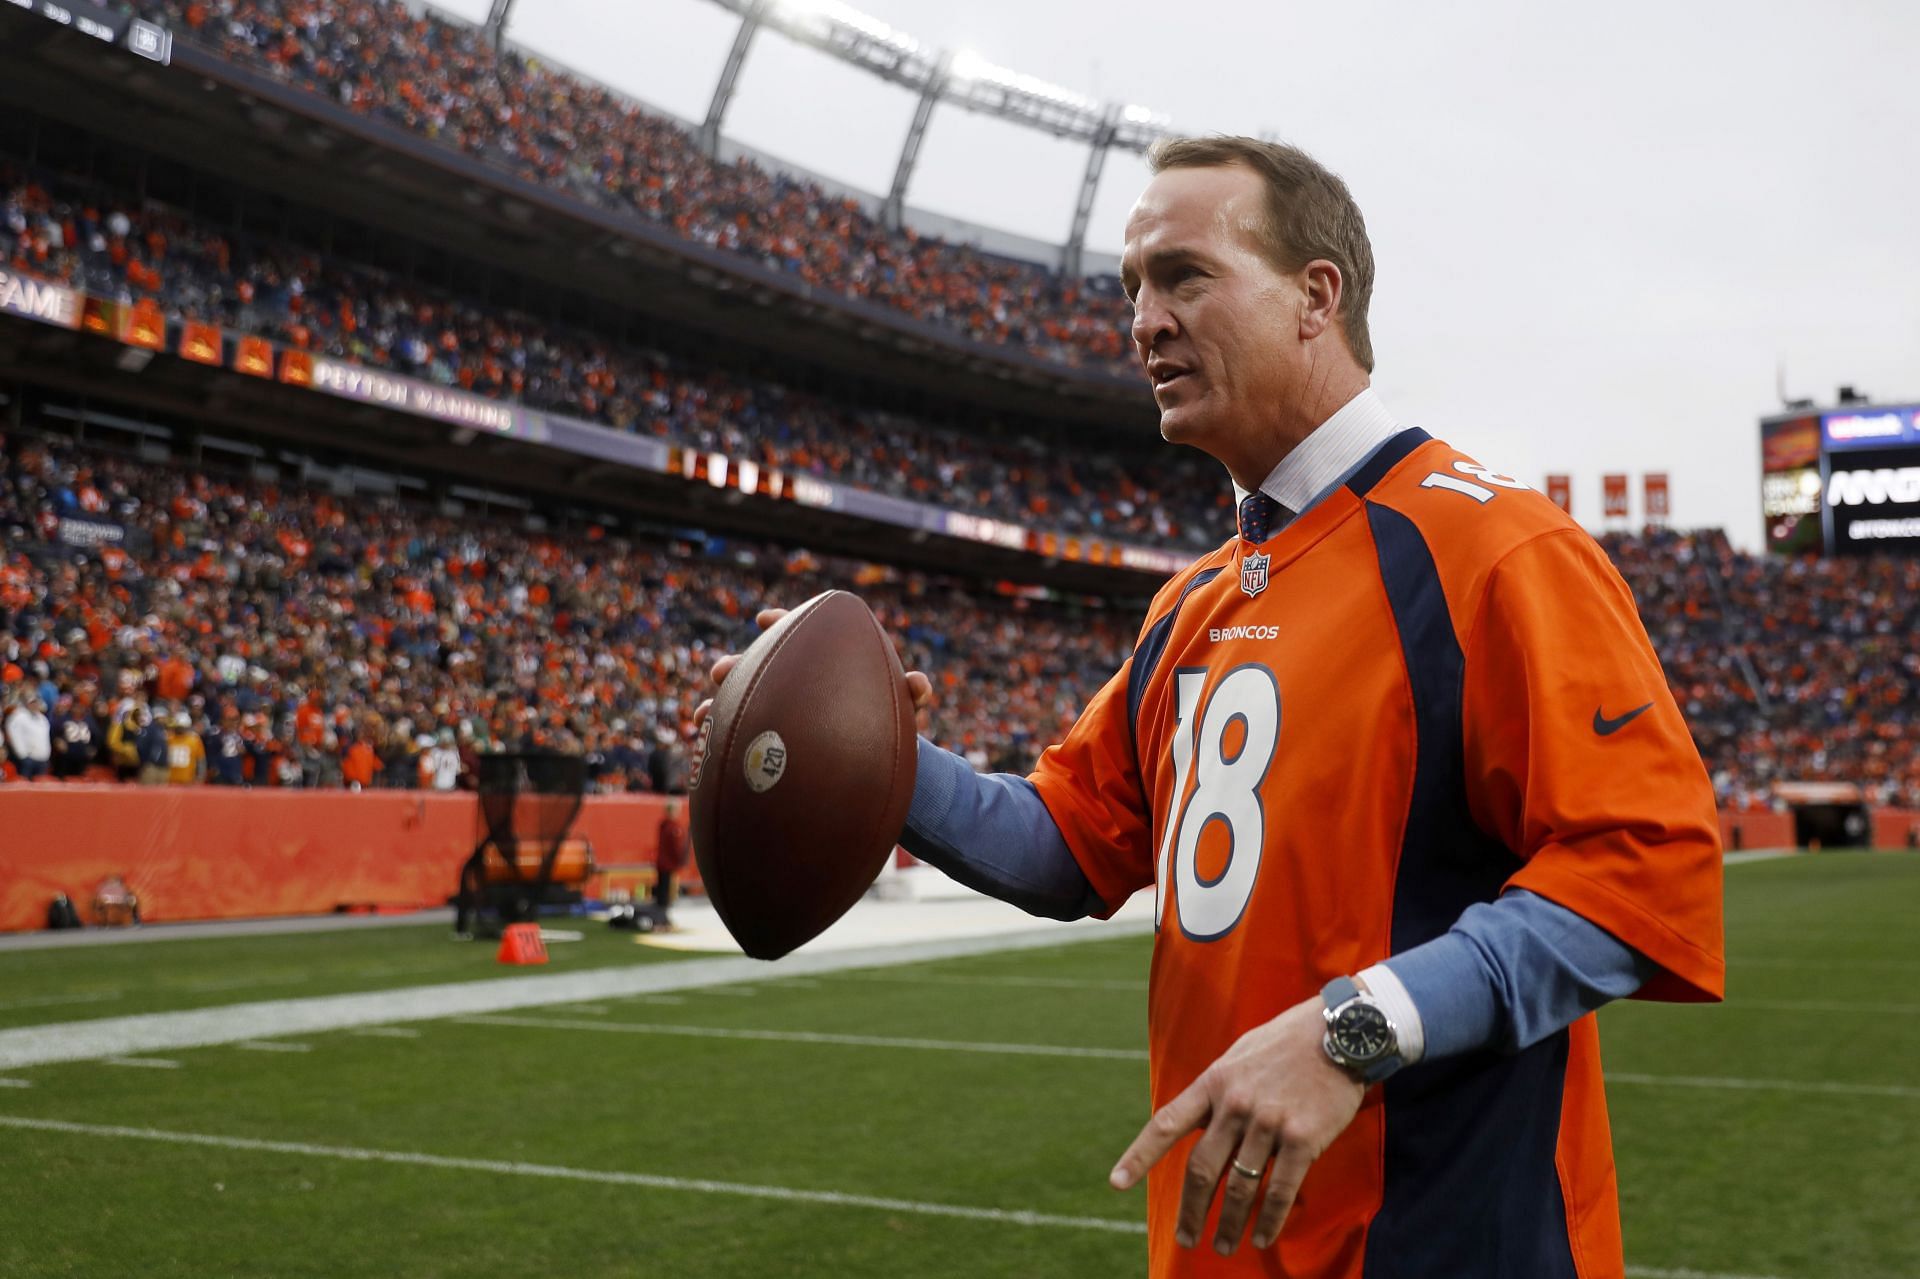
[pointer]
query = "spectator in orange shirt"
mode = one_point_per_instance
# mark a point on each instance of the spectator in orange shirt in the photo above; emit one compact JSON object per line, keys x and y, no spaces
{"x":359,"y":764}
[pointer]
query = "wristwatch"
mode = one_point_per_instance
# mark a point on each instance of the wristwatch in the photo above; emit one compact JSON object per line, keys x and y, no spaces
{"x":1360,"y":1038}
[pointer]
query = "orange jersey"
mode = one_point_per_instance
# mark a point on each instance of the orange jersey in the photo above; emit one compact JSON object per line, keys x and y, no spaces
{"x":1429,"y":688}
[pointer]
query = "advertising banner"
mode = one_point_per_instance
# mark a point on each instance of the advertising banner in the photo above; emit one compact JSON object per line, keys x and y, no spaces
{"x":1873,"y":501}
{"x":135,"y":35}
{"x":1658,"y":505}
{"x":32,"y":299}
{"x":1871,"y":428}
{"x":1613,"y":494}
{"x":201,"y":343}
{"x":87,"y":533}
{"x":254,"y":357}
{"x":1789,"y":444}
{"x":1560,"y":492}
{"x":405,"y":395}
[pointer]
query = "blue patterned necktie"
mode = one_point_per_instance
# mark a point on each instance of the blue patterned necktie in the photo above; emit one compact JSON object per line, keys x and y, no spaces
{"x":1260,"y":515}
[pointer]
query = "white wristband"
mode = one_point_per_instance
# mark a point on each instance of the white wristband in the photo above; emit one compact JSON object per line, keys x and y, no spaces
{"x":1397,"y":1004}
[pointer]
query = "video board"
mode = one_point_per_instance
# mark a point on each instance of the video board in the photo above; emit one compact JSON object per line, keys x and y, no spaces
{"x":1845,"y":481}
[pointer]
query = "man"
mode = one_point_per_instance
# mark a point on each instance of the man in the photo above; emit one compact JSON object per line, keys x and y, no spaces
{"x":1402,"y":770}
{"x":154,"y":746}
{"x":669,"y":859}
{"x":30,"y":738}
{"x":186,"y":753}
{"x":73,"y":739}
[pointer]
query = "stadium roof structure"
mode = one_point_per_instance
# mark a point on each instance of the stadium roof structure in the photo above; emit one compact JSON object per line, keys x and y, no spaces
{"x":960,"y":77}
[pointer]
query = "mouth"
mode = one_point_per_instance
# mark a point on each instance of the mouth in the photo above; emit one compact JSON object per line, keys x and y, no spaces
{"x":1166,"y":375}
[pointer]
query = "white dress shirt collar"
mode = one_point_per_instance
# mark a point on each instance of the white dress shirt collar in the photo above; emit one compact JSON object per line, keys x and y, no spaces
{"x":1338,"y":445}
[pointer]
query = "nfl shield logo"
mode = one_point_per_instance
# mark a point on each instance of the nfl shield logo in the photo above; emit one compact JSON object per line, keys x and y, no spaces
{"x":1253,"y":573}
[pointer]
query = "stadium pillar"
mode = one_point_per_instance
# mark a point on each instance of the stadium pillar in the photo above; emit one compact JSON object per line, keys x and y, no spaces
{"x":497,"y":15}
{"x":894,"y":214}
{"x":1075,"y":250}
{"x":729,"y":78}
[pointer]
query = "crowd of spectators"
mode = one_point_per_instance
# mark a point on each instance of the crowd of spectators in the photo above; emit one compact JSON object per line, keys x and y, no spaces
{"x":252,"y":633}
{"x":123,"y":249}
{"x":1788,"y":669}
{"x":445,"y":81}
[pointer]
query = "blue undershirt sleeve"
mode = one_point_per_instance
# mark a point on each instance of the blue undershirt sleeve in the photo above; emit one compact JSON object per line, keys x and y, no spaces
{"x":1513,"y":971}
{"x":992,"y":832}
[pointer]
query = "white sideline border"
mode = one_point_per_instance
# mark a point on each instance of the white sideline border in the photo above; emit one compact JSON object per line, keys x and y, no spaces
{"x":206,"y":1027}
{"x":657,"y":1181}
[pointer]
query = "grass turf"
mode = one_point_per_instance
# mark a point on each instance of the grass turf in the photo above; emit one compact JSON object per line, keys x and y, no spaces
{"x":1762,"y":1182}
{"x":80,"y":983}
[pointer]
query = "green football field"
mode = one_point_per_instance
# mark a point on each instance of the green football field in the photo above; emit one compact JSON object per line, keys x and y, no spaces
{"x":955,"y":1117}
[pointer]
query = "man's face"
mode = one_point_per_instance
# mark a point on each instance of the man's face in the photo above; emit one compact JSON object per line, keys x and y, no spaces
{"x":1215,"y":323}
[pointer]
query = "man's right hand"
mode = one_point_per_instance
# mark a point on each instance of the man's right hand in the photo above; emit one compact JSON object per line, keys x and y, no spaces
{"x":918,"y":685}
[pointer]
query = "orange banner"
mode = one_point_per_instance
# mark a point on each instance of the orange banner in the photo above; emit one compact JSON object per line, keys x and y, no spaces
{"x":200,"y":343}
{"x":209,"y":852}
{"x":254,"y":357}
{"x":1659,"y":499}
{"x":1614,"y":496}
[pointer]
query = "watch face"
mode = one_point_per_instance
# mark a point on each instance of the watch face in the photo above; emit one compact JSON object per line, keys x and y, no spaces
{"x":1361,"y":1033}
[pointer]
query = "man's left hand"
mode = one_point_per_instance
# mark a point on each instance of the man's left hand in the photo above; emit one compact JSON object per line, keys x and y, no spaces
{"x":1275,"y":1095}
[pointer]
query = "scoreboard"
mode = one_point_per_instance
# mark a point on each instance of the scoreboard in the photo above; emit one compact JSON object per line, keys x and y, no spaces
{"x":1844,"y":481}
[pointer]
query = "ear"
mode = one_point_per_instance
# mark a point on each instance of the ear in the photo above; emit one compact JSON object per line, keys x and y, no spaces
{"x":1320,"y":290}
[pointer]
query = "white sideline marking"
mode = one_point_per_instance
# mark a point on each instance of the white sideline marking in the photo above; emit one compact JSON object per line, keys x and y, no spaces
{"x":16,"y":1083}
{"x":1767,"y":1085}
{"x":42,"y":1001}
{"x":1744,"y":856}
{"x":385,"y":1032}
{"x":816,"y":1037}
{"x":204,"y":1027}
{"x":272,"y":1046}
{"x":149,"y":1063}
{"x":652,"y":1181}
{"x":1038,"y":983}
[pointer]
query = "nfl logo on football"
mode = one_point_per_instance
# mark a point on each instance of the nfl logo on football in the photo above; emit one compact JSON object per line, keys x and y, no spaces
{"x":1253,"y":573}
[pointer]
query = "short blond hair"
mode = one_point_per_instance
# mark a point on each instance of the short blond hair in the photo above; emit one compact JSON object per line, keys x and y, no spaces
{"x":1310,"y":214}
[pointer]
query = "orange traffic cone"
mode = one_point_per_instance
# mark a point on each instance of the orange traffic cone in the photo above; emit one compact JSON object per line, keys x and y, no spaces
{"x":521,"y":944}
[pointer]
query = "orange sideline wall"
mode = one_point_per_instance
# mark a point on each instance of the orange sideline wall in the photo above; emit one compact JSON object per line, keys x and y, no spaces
{"x":1896,"y":828}
{"x":206,"y":852}
{"x":1740,"y":830}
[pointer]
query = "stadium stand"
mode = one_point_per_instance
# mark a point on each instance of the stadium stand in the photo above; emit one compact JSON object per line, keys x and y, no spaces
{"x":443,"y":80}
{"x":316,"y":640}
{"x":114,"y":245}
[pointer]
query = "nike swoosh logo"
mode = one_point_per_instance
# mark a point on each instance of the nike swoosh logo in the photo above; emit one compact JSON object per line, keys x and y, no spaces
{"x":1608,"y":727}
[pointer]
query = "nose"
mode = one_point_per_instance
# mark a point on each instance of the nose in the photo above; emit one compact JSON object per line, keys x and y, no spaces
{"x":1151,"y":320}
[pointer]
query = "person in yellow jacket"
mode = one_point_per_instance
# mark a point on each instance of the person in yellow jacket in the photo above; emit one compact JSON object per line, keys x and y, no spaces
{"x":186,"y":753}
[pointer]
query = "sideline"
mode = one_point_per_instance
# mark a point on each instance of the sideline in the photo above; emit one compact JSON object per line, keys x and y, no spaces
{"x":231,"y":1023}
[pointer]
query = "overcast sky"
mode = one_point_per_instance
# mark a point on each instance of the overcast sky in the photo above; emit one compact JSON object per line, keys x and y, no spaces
{"x":1600,"y":231}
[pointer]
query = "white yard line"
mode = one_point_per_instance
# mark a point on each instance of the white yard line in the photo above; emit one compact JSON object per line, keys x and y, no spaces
{"x":386,"y":1032}
{"x":651,"y":1181}
{"x":16,"y":1083}
{"x":657,"y":1181}
{"x":145,"y":1063}
{"x":272,"y":1046}
{"x":816,"y":1037}
{"x":199,"y":1028}
{"x":1767,"y":1085}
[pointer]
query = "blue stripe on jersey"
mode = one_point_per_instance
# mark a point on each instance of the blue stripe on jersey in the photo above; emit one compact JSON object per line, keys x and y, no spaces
{"x":1471,"y":1187}
{"x":1148,"y":654}
{"x":1384,"y":459}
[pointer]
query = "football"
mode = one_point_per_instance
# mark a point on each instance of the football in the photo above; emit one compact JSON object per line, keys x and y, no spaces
{"x":802,"y":775}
